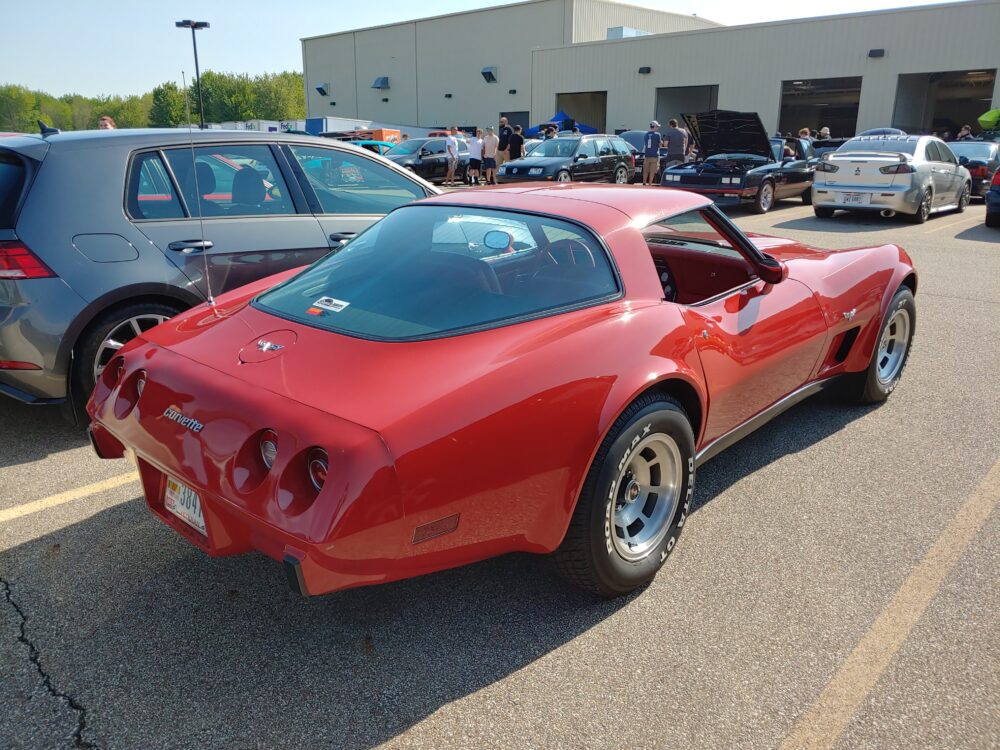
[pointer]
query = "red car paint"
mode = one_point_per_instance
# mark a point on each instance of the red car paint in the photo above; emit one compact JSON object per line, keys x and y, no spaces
{"x":496,"y":427}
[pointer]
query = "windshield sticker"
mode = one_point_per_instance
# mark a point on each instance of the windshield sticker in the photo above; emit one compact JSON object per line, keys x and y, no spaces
{"x":315,"y":311}
{"x":331,"y":304}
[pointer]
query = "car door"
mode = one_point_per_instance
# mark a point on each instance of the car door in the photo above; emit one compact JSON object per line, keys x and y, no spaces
{"x":433,"y":162}
{"x":586,"y":166}
{"x":951,"y":168}
{"x":608,"y":160}
{"x":757,"y":342}
{"x":941,"y":174}
{"x":797,"y":172}
{"x":241,"y":216}
{"x":348,"y":191}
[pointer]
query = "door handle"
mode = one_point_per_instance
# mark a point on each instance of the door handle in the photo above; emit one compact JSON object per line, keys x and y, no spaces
{"x":341,"y":237}
{"x":190,"y":246}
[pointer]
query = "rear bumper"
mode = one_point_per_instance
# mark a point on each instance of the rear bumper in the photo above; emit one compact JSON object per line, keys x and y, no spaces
{"x":904,"y":200}
{"x":992,"y":198}
{"x":980,"y":186}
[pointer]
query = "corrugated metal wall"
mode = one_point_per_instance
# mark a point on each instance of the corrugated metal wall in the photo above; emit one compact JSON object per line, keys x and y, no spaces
{"x":593,"y":18}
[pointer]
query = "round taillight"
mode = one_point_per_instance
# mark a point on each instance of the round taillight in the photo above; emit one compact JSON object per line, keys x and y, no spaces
{"x":268,"y":447}
{"x":318,"y":465}
{"x":140,"y":383}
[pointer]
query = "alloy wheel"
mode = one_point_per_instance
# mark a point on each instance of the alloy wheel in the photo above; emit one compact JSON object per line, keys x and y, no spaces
{"x":563,"y":177}
{"x":766,"y":196}
{"x":646,"y":493}
{"x":892,"y":346}
{"x":621,"y":176}
{"x":120,"y":335}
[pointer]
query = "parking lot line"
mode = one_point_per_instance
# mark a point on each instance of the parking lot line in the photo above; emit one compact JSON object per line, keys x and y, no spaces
{"x":66,"y":497}
{"x":964,"y":219}
{"x":822,"y":726}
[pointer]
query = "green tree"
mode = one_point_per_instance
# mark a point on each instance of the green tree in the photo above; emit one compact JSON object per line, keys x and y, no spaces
{"x":168,"y":108}
{"x":19,"y":111}
{"x":281,"y":96}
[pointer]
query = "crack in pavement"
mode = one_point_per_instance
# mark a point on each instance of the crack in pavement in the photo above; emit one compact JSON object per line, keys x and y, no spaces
{"x":34,"y":657}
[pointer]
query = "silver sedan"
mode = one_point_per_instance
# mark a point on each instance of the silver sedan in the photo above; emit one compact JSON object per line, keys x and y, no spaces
{"x":907,"y":174}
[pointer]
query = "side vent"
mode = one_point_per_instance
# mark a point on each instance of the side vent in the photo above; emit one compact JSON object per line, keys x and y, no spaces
{"x":847,"y":339}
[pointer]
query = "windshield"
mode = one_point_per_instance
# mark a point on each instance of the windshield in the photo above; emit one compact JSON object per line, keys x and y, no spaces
{"x":427,"y":271}
{"x":885,"y":145}
{"x":406,"y":147}
{"x":972,"y":150}
{"x":553,"y":148}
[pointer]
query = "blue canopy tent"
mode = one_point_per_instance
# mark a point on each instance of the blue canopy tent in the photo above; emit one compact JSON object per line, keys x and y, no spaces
{"x":559,"y":119}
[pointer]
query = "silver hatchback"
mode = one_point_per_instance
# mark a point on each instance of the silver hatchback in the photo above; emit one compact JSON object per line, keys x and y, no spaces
{"x":907,"y":174}
{"x":104,"y":234}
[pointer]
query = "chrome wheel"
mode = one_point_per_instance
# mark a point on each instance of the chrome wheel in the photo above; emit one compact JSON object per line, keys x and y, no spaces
{"x":925,"y":206}
{"x":563,"y":177}
{"x":766,"y":197}
{"x":892,"y":346}
{"x":965,"y":198}
{"x":621,"y":176}
{"x":120,"y":335}
{"x":646,"y":495}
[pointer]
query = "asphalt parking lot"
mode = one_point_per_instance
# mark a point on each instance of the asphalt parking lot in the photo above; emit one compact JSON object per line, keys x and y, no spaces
{"x":835,"y":587}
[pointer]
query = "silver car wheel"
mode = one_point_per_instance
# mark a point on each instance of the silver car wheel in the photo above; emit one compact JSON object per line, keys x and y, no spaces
{"x":563,"y":177}
{"x":965,"y":197}
{"x":120,"y":335}
{"x":925,"y":205}
{"x":766,"y":196}
{"x":646,"y":493}
{"x":892,"y":346}
{"x":621,"y":176}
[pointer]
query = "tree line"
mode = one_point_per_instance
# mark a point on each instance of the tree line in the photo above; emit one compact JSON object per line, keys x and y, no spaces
{"x":227,"y":97}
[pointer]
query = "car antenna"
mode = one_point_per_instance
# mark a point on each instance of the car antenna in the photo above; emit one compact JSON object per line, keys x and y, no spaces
{"x":47,"y":130}
{"x":197,"y":191}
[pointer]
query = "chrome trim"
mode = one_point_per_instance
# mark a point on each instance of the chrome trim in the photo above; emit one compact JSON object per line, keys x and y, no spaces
{"x":761,"y":418}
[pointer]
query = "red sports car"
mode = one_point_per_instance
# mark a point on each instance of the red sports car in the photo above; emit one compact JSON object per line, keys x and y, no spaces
{"x":535,"y":369}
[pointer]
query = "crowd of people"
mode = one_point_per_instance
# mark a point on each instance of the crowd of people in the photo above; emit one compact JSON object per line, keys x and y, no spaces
{"x":487,"y":152}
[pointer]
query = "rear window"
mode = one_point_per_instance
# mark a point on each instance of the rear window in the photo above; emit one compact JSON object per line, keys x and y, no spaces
{"x":11,"y":185}
{"x":885,"y":145}
{"x":428,"y":271}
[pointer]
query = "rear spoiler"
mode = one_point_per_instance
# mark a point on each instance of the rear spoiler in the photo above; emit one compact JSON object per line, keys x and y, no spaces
{"x":865,"y":154}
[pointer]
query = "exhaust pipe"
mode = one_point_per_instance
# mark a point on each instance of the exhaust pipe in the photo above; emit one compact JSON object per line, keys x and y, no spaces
{"x":887,"y":213}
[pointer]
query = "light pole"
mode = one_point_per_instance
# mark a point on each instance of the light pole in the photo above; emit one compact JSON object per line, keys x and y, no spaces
{"x":187,"y":23}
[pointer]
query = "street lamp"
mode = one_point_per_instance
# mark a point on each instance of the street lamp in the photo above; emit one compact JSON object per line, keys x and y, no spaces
{"x":187,"y":23}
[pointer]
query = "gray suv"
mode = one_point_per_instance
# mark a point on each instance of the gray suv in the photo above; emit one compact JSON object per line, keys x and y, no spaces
{"x":104,"y":234}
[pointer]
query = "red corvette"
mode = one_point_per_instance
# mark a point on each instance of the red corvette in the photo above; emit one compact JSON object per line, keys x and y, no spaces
{"x":536,"y":369}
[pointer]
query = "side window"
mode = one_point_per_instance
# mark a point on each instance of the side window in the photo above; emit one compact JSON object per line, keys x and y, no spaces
{"x":347,"y":183}
{"x":946,"y":153}
{"x":436,"y":147}
{"x":603,"y":147}
{"x":587,"y":149}
{"x":468,"y":236}
{"x":231,"y":180}
{"x":150,"y":194}
{"x":931,"y":152}
{"x":620,"y":147}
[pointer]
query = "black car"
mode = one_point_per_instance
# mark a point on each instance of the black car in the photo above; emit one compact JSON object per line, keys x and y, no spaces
{"x":428,"y":158}
{"x":738,"y":163}
{"x":588,"y":158}
{"x":981,"y":158}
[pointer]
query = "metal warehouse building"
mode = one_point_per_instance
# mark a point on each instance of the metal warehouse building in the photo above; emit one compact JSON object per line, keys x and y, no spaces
{"x":616,"y":66}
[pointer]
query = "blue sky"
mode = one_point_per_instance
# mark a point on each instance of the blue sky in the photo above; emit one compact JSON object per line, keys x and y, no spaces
{"x":129,"y":46}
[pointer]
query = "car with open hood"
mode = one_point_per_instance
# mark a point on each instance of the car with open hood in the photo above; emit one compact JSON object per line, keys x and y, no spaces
{"x":536,"y":369}
{"x":738,"y":163}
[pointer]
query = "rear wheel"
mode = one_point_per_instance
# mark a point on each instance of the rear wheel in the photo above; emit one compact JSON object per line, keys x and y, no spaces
{"x":892,"y":350}
{"x":621,"y":176}
{"x":634,"y":502}
{"x":764,"y":199}
{"x":823,"y":212}
{"x":964,"y":198}
{"x":102,"y":340}
{"x":993,"y":219}
{"x":807,"y":196}
{"x":923,"y":210}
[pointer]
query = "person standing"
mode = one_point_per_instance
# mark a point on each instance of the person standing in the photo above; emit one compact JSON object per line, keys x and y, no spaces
{"x":805,"y":135}
{"x":475,"y":156}
{"x":516,"y":149}
{"x":677,"y":142}
{"x":491,"y":145}
{"x":651,"y":153}
{"x":106,"y":122}
{"x":451,"y":146}
{"x":503,"y":152}
{"x":824,"y":133}
{"x":965,"y":134}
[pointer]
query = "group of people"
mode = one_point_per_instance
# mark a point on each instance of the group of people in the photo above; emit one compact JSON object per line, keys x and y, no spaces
{"x":677,"y":142}
{"x":814,"y":135}
{"x":487,"y":151}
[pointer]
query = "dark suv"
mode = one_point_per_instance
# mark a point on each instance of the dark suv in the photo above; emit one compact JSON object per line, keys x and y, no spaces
{"x":588,"y":158}
{"x":104,"y":234}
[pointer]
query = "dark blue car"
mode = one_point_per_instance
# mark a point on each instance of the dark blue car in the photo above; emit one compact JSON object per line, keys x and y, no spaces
{"x":992,"y":197}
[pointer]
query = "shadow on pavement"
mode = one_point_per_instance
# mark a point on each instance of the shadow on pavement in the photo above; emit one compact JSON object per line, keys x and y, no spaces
{"x":168,"y":647}
{"x":31,"y":433}
{"x":981,"y":233}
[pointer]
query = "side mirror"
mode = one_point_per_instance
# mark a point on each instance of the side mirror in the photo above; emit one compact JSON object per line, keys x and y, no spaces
{"x":963,"y":160}
{"x":786,"y":159}
{"x":497,"y":239}
{"x":580,"y":157}
{"x":772,"y":271}
{"x":425,"y":152}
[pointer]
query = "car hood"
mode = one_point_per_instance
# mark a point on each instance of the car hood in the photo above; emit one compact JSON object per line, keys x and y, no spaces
{"x":722,"y":131}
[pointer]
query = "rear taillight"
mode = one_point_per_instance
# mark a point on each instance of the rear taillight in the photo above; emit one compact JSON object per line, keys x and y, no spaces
{"x":825,"y":166}
{"x":901,"y":168}
{"x":996,"y":179}
{"x":18,"y":262}
{"x":268,"y":448}
{"x":318,"y":464}
{"x":979,"y":171}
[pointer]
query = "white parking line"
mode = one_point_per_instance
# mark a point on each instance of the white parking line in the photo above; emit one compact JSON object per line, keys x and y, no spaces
{"x":69,"y":496}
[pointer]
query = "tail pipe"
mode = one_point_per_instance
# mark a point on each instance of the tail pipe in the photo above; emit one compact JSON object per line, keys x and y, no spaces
{"x":887,"y":213}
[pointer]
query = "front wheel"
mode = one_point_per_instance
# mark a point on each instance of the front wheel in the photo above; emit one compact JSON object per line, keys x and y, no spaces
{"x":634,"y":502}
{"x":563,"y":176}
{"x":621,"y":176}
{"x":892,"y":349}
{"x":964,"y":198}
{"x":764,"y":199}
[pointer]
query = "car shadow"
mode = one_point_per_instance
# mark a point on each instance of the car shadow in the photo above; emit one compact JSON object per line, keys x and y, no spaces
{"x":31,"y":433}
{"x":980,"y":233}
{"x":130,"y":618}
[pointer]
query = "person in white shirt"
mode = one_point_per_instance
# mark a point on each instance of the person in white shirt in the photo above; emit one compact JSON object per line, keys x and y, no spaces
{"x":452,"y":147}
{"x":491,"y":144}
{"x":475,"y":156}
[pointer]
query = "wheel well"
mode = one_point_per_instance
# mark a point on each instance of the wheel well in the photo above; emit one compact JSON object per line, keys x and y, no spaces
{"x":685,"y":393}
{"x":160,"y":299}
{"x":910,"y":282}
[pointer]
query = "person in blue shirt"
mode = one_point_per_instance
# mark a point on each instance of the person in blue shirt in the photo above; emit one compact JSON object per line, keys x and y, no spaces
{"x":651,"y":153}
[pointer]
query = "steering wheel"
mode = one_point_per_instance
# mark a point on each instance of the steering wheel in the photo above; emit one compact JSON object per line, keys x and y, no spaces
{"x":571,"y":252}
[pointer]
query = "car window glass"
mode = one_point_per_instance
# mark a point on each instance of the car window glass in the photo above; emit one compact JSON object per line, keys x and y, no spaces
{"x":11,"y":185}
{"x":690,"y":229}
{"x":233,"y":180}
{"x":347,"y":183}
{"x":587,"y":148}
{"x":619,"y":146}
{"x":603,"y":147}
{"x":436,"y":147}
{"x":151,"y":195}
{"x":945,"y":153}
{"x":431,"y":270}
